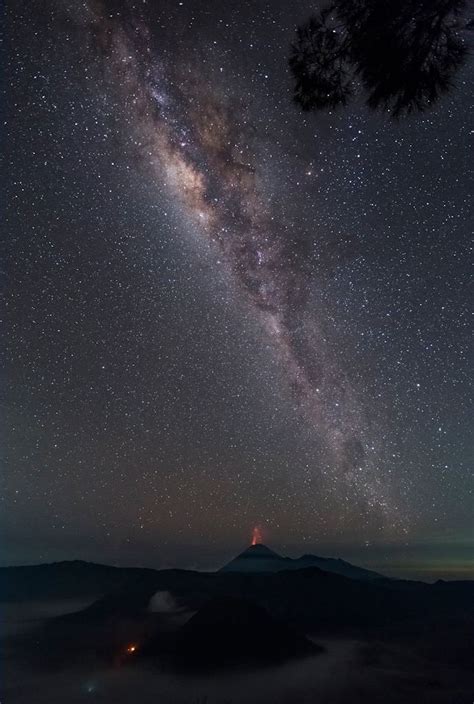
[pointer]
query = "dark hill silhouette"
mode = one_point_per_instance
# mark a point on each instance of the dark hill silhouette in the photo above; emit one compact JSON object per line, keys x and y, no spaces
{"x":76,"y":578}
{"x":66,"y":579}
{"x":232,"y":632}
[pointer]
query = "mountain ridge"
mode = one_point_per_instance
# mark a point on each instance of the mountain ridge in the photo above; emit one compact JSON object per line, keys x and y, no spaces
{"x":260,"y":558}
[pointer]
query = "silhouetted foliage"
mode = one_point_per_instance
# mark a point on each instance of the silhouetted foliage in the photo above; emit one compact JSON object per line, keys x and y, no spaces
{"x":402,"y":53}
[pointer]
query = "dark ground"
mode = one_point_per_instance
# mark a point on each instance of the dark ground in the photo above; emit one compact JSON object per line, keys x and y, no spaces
{"x":77,"y":659}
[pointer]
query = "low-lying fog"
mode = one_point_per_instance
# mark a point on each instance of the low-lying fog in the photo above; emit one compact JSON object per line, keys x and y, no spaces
{"x":25,"y":616}
{"x":349,"y":671}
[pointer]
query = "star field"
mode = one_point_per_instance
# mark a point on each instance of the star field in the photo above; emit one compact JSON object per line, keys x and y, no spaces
{"x":220,"y":312}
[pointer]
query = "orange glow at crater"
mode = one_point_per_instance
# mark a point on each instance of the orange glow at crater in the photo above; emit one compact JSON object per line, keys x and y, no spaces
{"x":256,"y":536}
{"x":131,"y":648}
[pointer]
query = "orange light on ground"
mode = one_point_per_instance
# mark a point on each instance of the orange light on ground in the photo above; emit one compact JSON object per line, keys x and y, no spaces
{"x":131,"y":648}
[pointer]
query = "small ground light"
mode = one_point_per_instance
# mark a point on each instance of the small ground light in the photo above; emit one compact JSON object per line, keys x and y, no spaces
{"x":132,"y":648}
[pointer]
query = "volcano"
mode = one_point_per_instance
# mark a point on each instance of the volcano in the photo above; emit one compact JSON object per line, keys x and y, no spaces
{"x":256,"y":558}
{"x":260,"y":558}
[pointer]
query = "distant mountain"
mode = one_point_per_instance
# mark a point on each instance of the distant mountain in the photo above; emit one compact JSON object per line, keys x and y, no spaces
{"x":68,"y":579}
{"x":336,"y":565}
{"x":259,"y":558}
{"x":256,"y":558}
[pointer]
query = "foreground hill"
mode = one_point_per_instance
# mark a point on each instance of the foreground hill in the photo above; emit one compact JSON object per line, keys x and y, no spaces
{"x":229,"y":632}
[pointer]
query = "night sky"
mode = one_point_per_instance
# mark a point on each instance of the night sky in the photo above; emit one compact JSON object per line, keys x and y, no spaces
{"x":221,"y":313}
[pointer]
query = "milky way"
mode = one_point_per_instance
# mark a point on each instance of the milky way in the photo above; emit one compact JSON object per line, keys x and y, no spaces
{"x":200,"y":146}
